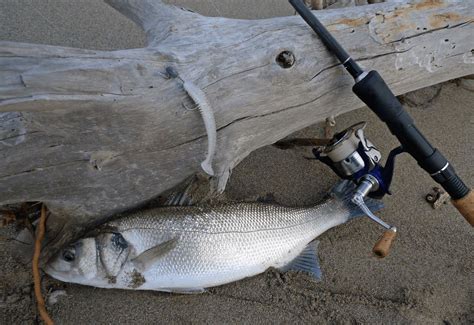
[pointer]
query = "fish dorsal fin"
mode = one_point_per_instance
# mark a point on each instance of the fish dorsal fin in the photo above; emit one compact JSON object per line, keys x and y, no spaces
{"x":267,"y":198}
{"x":197,"y":191}
{"x":177,"y":199}
{"x":146,"y":259}
{"x":307,"y":261}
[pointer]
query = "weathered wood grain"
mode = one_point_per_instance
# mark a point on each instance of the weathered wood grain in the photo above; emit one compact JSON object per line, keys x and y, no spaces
{"x":93,"y":133}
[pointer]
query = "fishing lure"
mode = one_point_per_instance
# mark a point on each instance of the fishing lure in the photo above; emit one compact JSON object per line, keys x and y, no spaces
{"x":207,"y":114}
{"x":199,"y":98}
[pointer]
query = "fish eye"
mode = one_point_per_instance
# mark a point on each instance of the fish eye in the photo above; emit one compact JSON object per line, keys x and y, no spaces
{"x":69,"y":255}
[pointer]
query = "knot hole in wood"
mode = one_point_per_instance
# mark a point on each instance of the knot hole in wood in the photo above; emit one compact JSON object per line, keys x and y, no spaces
{"x":286,"y":59}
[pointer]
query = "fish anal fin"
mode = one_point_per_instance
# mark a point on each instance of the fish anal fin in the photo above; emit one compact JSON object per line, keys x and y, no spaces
{"x":147,"y":258}
{"x":186,"y":291}
{"x":307,"y":261}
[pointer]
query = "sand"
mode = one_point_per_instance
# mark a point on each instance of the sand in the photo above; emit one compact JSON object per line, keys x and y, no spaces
{"x":428,"y":277}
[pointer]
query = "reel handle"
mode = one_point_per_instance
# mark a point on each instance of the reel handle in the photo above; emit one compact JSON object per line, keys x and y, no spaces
{"x":383,"y":245}
{"x":466,"y":207}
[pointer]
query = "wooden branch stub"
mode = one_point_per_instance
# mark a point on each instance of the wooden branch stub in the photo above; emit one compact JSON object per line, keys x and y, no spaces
{"x":155,"y":18}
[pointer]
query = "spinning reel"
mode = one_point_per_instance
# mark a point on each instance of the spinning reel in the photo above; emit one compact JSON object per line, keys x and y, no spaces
{"x":353,"y":157}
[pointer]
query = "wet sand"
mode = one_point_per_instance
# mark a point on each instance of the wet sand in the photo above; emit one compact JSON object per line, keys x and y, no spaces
{"x":428,"y":277}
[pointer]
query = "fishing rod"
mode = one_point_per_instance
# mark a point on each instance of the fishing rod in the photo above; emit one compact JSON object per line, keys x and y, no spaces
{"x":353,"y":157}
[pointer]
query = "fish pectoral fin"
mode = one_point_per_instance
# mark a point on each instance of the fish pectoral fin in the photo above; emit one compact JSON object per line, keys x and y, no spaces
{"x":307,"y":261}
{"x":146,"y":259}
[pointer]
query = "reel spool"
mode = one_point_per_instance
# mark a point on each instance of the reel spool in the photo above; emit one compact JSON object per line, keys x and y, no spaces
{"x":352,"y":156}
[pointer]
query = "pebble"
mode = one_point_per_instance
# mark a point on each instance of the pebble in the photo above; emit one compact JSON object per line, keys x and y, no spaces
{"x":13,"y":298}
{"x":422,"y":98}
{"x":26,"y":289}
{"x":54,"y":296}
{"x":467,"y":83}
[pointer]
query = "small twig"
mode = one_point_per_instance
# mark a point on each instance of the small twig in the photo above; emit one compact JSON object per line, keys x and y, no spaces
{"x":36,"y":274}
{"x":329,"y":127}
{"x":7,"y":218}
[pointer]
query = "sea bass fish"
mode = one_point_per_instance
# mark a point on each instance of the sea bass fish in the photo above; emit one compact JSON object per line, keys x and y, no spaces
{"x":187,"y":249}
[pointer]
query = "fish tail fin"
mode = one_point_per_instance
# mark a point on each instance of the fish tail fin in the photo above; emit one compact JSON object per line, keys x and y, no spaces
{"x":344,"y":192}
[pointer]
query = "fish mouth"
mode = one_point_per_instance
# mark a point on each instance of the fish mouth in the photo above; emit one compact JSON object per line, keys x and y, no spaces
{"x":48,"y":269}
{"x":55,"y":274}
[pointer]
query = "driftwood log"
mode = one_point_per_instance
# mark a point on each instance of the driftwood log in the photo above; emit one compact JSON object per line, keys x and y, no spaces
{"x":93,"y":133}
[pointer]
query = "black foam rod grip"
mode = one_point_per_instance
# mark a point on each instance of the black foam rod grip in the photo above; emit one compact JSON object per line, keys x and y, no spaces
{"x":376,"y":94}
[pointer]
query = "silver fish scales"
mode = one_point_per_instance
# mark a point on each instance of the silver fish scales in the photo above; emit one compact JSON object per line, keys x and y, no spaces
{"x":187,"y":249}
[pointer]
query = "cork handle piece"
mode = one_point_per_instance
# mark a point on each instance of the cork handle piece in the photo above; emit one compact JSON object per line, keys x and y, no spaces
{"x":466,"y":207}
{"x":382,"y":246}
